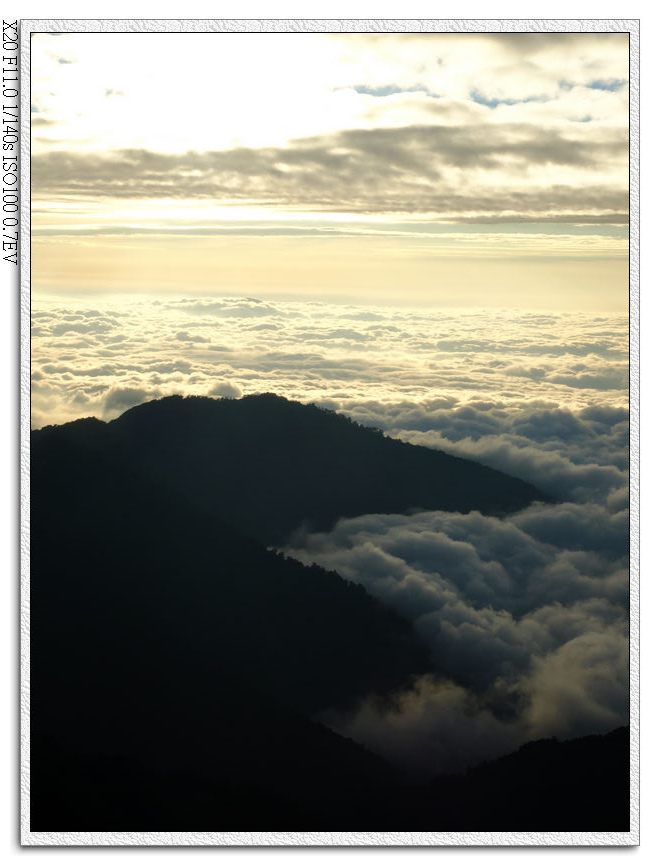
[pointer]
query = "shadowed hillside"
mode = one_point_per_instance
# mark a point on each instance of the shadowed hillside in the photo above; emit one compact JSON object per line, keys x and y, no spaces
{"x":164,"y":645}
{"x":176,"y":663}
{"x":109,"y":544}
{"x":581,"y":785}
{"x":268,"y":466}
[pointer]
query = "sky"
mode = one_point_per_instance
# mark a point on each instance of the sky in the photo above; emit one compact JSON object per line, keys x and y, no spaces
{"x":427,"y":233}
{"x":437,"y":169}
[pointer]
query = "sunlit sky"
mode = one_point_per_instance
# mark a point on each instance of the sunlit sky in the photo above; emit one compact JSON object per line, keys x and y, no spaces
{"x":435,"y":169}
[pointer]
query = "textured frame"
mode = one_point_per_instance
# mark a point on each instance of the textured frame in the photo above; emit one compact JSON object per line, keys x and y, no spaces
{"x":320,"y":839}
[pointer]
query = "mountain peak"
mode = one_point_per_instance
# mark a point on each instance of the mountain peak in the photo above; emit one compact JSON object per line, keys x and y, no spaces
{"x":270,"y":466}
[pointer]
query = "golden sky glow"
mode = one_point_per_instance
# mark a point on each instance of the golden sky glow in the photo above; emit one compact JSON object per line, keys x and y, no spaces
{"x":415,"y":168}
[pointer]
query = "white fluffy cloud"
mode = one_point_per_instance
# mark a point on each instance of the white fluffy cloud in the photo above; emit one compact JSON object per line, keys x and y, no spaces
{"x":442,"y":378}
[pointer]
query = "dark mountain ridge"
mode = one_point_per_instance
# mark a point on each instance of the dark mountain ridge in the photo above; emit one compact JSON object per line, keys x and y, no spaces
{"x":544,"y":786}
{"x":268,"y":466}
{"x":176,"y":662}
{"x":166,"y":647}
{"x":109,"y":542}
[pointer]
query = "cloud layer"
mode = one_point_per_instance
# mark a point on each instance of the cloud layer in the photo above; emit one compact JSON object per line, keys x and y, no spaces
{"x":460,"y":126}
{"x":405,"y":170}
{"x":526,"y":618}
{"x":527,"y":390}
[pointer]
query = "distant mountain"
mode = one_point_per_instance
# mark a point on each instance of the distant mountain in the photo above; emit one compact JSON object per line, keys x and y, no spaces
{"x":268,"y":466}
{"x":581,"y":785}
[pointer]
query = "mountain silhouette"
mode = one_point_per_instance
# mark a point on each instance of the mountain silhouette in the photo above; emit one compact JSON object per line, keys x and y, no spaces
{"x":163,"y":645}
{"x":176,"y":663}
{"x":268,"y":466}
{"x":110,"y":544}
{"x":581,"y":785}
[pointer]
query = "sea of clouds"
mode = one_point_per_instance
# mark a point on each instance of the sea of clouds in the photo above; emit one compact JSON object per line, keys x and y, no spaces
{"x":394,"y":367}
{"x":526,"y":618}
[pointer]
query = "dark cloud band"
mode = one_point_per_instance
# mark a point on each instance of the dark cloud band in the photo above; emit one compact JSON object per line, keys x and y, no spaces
{"x":387,"y":170}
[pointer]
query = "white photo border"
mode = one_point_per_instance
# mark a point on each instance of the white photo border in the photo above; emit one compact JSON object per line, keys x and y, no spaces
{"x":325,"y":839}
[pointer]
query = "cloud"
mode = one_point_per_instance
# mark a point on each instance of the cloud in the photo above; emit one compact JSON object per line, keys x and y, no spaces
{"x":578,"y":527}
{"x":390,"y":90}
{"x":525,"y":619}
{"x":184,"y":336}
{"x":36,"y":122}
{"x":437,"y":727}
{"x":417,"y":167}
{"x":443,"y":379}
{"x":225,"y":389}
{"x":84,"y":324}
{"x":425,"y":561}
{"x":400,"y":79}
{"x":582,"y":687}
{"x":119,"y":399}
{"x":581,"y":455}
{"x":611,"y":84}
{"x":553,"y":472}
{"x":248,"y":307}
